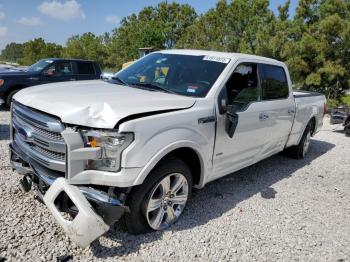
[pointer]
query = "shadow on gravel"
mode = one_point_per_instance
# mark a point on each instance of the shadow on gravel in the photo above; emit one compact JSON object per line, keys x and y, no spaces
{"x":221,"y":196}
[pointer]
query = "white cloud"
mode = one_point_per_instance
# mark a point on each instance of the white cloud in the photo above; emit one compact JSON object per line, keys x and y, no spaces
{"x":2,"y":15}
{"x":113,"y":19}
{"x":31,"y":21}
{"x":68,"y":10}
{"x":3,"y":31}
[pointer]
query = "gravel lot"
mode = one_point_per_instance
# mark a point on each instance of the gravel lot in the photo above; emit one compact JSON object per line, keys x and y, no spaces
{"x":278,"y":209}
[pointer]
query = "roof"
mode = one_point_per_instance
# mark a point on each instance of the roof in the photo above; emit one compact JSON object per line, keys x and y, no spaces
{"x":220,"y":54}
{"x":70,"y":59}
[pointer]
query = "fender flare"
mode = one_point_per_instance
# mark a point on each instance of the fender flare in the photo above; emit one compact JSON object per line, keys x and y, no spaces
{"x":165,"y":151}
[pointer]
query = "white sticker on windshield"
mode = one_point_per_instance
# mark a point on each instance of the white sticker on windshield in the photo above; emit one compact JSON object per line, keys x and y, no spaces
{"x":216,"y":59}
{"x":49,"y":61}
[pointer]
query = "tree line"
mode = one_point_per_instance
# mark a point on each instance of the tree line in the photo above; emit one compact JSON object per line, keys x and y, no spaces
{"x":314,"y":42}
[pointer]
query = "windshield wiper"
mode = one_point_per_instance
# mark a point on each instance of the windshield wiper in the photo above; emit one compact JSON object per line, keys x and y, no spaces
{"x":154,"y":87}
{"x":119,"y":80}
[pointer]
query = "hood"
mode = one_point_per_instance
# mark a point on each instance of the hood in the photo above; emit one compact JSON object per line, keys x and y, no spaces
{"x":10,"y":73}
{"x":96,"y":103}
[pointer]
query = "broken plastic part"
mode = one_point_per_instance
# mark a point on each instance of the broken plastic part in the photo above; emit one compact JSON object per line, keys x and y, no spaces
{"x":87,"y":225}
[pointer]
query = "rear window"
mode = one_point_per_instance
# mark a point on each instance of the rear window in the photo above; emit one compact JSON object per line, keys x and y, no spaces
{"x":85,"y":68}
{"x":273,"y":82}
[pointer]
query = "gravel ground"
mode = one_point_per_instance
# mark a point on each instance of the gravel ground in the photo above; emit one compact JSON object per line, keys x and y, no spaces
{"x":278,"y":209}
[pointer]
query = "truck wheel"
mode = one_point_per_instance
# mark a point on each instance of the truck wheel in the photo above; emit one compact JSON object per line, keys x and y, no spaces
{"x":9,"y":97}
{"x":160,"y":200}
{"x":347,"y":130}
{"x":299,"y":151}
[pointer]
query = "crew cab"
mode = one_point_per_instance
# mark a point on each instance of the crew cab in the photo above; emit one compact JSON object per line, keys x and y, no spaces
{"x":46,"y":71}
{"x":132,"y":149}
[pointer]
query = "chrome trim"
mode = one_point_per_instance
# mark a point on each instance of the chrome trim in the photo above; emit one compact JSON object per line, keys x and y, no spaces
{"x":37,"y":119}
{"x":39,"y":136}
{"x":38,"y":157}
{"x":90,"y":193}
{"x":36,"y":138}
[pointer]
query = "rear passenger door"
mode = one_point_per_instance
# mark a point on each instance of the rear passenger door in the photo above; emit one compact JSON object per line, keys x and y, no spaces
{"x":278,"y":108}
{"x":85,"y":70}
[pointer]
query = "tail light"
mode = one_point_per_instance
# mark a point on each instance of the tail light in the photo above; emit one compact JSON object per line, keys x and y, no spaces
{"x":325,"y":109}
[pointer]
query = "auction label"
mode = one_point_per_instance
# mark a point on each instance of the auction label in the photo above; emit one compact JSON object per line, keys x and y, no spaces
{"x":217,"y":59}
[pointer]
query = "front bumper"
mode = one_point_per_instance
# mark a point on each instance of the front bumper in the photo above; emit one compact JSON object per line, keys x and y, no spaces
{"x":95,"y":210}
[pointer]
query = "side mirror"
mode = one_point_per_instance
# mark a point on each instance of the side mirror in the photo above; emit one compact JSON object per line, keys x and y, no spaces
{"x":231,"y":121}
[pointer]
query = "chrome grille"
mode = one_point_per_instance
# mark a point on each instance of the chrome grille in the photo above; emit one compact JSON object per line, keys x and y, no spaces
{"x":39,"y":136}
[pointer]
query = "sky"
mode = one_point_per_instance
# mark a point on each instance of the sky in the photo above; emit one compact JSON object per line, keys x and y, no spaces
{"x":57,"y":20}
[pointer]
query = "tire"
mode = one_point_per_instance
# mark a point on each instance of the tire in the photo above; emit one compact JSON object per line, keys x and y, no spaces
{"x":9,"y":97}
{"x":139,"y":220}
{"x":347,"y":130}
{"x":299,"y":151}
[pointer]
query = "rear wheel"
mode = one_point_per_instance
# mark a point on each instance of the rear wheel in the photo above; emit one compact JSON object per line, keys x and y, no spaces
{"x":161,"y":199}
{"x":299,"y":151}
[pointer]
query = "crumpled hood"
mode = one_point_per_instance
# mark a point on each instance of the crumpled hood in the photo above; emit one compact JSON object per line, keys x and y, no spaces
{"x":96,"y":103}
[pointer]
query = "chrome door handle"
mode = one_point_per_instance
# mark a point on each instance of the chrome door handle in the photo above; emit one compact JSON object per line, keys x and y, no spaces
{"x":263,"y":116}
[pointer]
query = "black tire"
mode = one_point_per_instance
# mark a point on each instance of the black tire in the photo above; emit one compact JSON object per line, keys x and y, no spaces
{"x":297,"y":152}
{"x":9,"y":97}
{"x":347,"y":130}
{"x":135,"y":222}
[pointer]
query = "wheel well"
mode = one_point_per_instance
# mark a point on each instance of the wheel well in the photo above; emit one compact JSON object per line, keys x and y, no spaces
{"x":191,"y":158}
{"x":312,"y":123}
{"x":14,"y":88}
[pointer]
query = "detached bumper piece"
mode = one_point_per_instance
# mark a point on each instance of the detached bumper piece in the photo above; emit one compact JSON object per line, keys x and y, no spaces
{"x":87,"y":225}
{"x":93,"y":210}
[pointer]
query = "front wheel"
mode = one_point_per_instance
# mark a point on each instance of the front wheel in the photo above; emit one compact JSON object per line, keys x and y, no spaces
{"x":9,"y":98}
{"x":161,"y":199}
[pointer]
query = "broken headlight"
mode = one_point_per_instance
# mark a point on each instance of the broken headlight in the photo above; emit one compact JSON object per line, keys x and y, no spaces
{"x":112,"y":145}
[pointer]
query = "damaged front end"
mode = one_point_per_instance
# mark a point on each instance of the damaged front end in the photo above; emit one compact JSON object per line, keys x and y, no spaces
{"x":52,"y":159}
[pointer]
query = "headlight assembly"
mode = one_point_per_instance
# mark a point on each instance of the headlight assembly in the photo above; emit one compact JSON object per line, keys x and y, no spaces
{"x":112,"y":145}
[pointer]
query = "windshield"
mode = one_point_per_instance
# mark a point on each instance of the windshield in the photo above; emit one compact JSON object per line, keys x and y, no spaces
{"x":40,"y":65}
{"x":181,"y":74}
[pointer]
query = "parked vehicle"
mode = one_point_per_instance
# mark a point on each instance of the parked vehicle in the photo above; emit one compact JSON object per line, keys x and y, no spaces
{"x":339,"y":114}
{"x":46,"y":71}
{"x":134,"y":147}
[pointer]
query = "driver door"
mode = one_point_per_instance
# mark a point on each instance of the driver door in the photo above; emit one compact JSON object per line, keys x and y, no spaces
{"x":58,"y":71}
{"x":242,"y":93}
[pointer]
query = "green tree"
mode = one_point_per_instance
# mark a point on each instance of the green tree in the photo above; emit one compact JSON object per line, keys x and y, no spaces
{"x":12,"y":52}
{"x":158,"y":27}
{"x":86,"y":46}
{"x":37,"y":49}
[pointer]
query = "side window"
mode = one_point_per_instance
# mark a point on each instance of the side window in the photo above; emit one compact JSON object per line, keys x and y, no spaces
{"x":242,"y":87}
{"x":85,"y":68}
{"x":274,"y":83}
{"x":63,"y":68}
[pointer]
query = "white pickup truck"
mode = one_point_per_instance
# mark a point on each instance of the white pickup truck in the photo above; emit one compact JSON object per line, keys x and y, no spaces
{"x":134,"y":147}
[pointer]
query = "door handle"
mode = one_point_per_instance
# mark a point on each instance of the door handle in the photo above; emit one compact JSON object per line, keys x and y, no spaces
{"x":291,"y":111}
{"x":72,"y":79}
{"x":263,"y":116}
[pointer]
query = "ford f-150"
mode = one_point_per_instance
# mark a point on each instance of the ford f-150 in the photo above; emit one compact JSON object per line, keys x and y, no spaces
{"x":132,"y":148}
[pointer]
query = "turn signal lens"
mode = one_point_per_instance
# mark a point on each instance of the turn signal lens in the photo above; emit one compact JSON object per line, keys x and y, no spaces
{"x":1,"y":82}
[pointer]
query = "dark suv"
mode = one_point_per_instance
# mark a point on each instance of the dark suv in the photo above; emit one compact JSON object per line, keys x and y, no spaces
{"x":46,"y":71}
